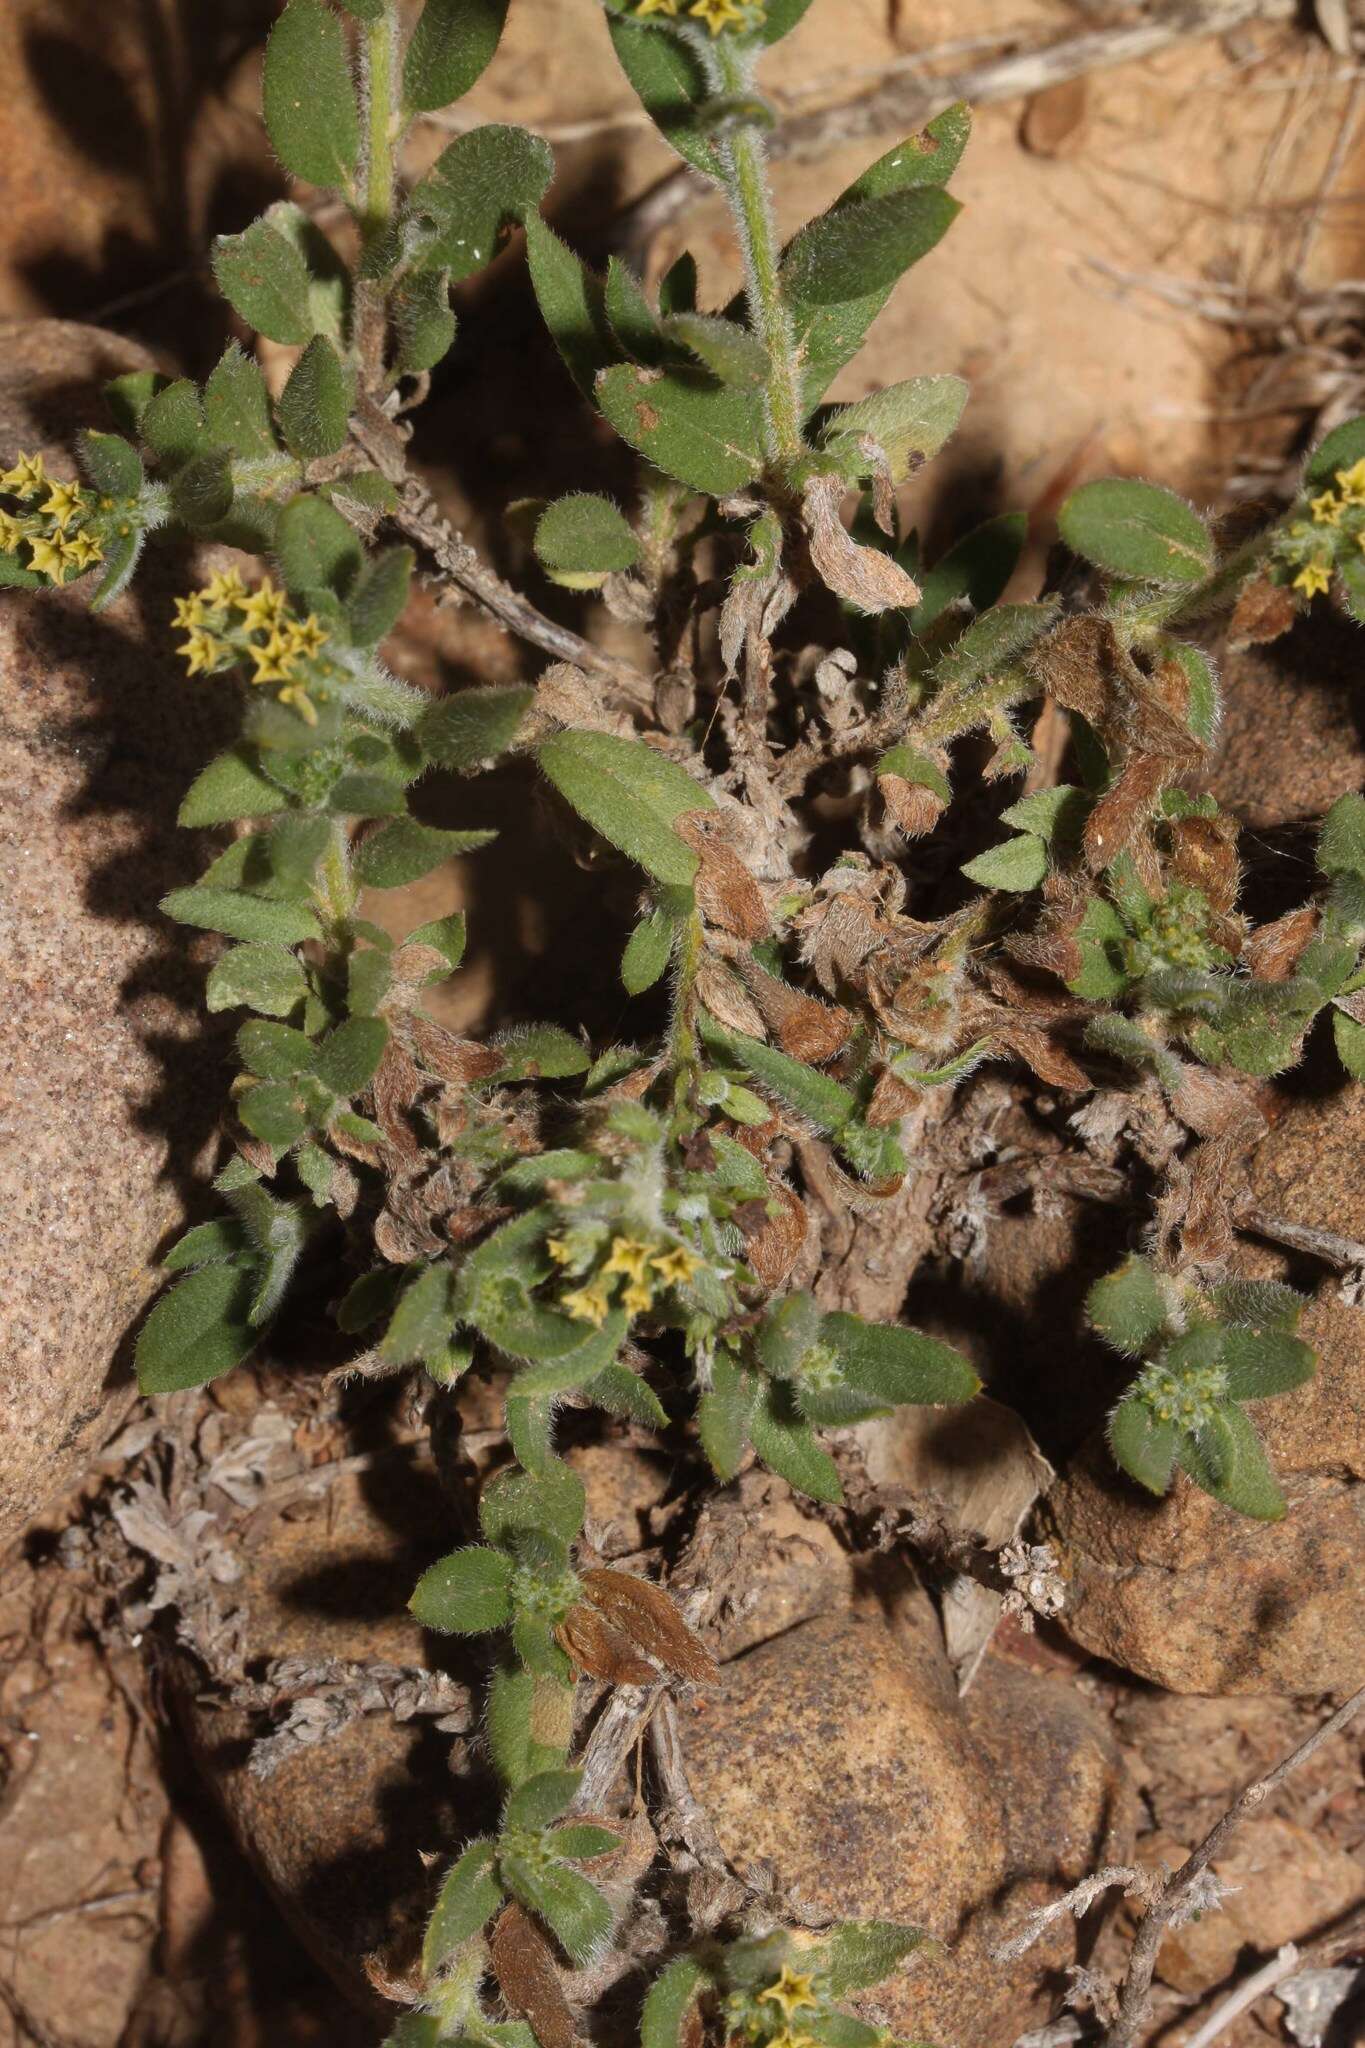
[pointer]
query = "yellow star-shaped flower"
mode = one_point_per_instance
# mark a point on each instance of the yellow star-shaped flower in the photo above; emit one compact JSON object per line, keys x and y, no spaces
{"x":637,"y":1298}
{"x":306,"y":636}
{"x":656,"y":7}
{"x":189,"y":611}
{"x":587,"y":1304}
{"x":1350,"y":482}
{"x":274,"y":662}
{"x":264,"y":608}
{"x":26,"y":479}
{"x":629,"y":1255}
{"x":718,"y":14}
{"x":1313,"y":578}
{"x":81,"y":548}
{"x":676,"y":1265}
{"x":61,"y":504}
{"x":1327,"y":509}
{"x":46,"y":558}
{"x":201,"y":651}
{"x":223,"y":588}
{"x":560,"y":1250}
{"x":792,"y":1992}
{"x":11,"y":533}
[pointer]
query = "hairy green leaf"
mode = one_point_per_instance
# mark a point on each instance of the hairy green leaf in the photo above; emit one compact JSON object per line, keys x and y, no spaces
{"x":309,"y":100}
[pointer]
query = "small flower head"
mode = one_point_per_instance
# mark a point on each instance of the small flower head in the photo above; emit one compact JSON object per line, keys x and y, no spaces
{"x":61,"y":504}
{"x":306,"y":636}
{"x":560,"y":1250}
{"x":588,"y":1304}
{"x":190,"y":611}
{"x":263,"y":608}
{"x":644,"y":7}
{"x":273,"y":661}
{"x":223,"y":588}
{"x":47,"y":558}
{"x":1326,"y":509}
{"x":792,"y":1993}
{"x":637,"y":1298}
{"x":295,"y":694}
{"x":676,"y":1265}
{"x":11,"y":533}
{"x":1315,"y":577}
{"x":630,"y":1256}
{"x":1351,"y":482}
{"x":722,"y":14}
{"x":81,"y":549}
{"x":201,"y":652}
{"x":27,"y":479}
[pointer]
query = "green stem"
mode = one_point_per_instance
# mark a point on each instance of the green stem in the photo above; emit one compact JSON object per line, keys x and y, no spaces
{"x":684,"y":1047}
{"x":746,"y":160}
{"x":336,"y":891}
{"x":1187,"y":607}
{"x":379,"y":52}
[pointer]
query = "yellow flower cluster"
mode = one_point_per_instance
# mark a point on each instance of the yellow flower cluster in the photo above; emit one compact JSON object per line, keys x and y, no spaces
{"x":1329,"y":509}
{"x":229,"y":626}
{"x":716,"y":14}
{"x":644,"y":1267}
{"x":58,"y":533}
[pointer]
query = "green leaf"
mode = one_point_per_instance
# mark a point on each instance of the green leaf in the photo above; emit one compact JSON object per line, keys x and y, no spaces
{"x":553,"y":1501}
{"x":452,"y":45}
{"x":263,"y":277}
{"x":998,"y":637}
{"x":1137,"y":530}
{"x":787,"y":1443}
{"x":1349,"y":1039}
{"x":231,"y":787}
{"x":466,"y":1902}
{"x":424,"y":326}
{"x":1101,"y":937}
{"x":580,"y":1842}
{"x":631,"y":317}
{"x":1129,"y":1307}
{"x":201,"y":492}
{"x":274,"y":1052}
{"x":574,"y":1911}
{"x":173,"y":424}
{"x":780,"y":18}
{"x":1018,"y":864}
{"x":403,"y":850}
{"x":1340,"y":449}
{"x":678,"y":286}
{"x":445,"y":935}
{"x":316,"y":548}
{"x":270,"y":1111}
{"x":671,"y":82}
{"x":1262,"y":1362}
{"x":529,"y":1421}
{"x":857,"y":1954}
{"x":723,"y":347}
{"x":1260,"y":1305}
{"x":308,"y":98}
{"x":977,"y":568}
{"x":14,"y":576}
{"x":469,"y":730}
{"x":237,"y":405}
{"x":1341,"y":843}
{"x":315,"y":405}
{"x":1204,"y":706}
{"x":348,"y":1058}
{"x":575,"y":1368}
{"x":571,"y":305}
{"x":242,"y":917}
{"x":377,"y":602}
{"x":1056,"y":813}
{"x":278,"y":1230}
{"x":465,"y":1593}
{"x":484,"y":181}
{"x":533,"y":1639}
{"x":1227,"y":1460}
{"x":863,"y":247}
{"x":198,"y":1331}
{"x":540,"y":1052}
{"x":421,"y":1322}
{"x":619,"y":1391}
{"x":265,"y":978}
{"x":670,"y":2000}
{"x":648,"y":951}
{"x":128,"y":397}
{"x":909,"y":422}
{"x":583,"y":538}
{"x":1143,"y":1445}
{"x":824,"y":1102}
{"x":540,"y":1800}
{"x":206,"y":1244}
{"x":898,"y":1365}
{"x":629,"y":793}
{"x":709,"y":436}
{"x":112,"y":464}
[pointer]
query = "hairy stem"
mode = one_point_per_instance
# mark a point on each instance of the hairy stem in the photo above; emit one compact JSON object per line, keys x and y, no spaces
{"x":379,"y":51}
{"x":684,"y":1050}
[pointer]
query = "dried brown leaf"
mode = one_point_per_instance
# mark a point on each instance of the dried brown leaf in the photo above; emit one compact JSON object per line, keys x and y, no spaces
{"x":724,"y":995}
{"x":1042,"y":1054}
{"x":774,"y":1245}
{"x":727,"y":893}
{"x":1272,"y":953}
{"x":528,"y":1977}
{"x":645,"y":1612}
{"x":1264,"y":611}
{"x":1204,"y":855}
{"x":459,"y":1060}
{"x":596,"y":1645}
{"x":803,"y":1026}
{"x":913,"y":807}
{"x":1123,"y":807}
{"x":864,"y":577}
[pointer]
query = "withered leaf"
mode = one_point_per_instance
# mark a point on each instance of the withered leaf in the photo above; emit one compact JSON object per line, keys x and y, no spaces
{"x":1272,"y":953}
{"x":725,"y":997}
{"x":1204,"y":855}
{"x":773,"y":1248}
{"x":727,"y":893}
{"x":528,"y":1977}
{"x":460,"y":1060}
{"x":1263,"y":612}
{"x":865,"y":577}
{"x":1123,"y":807}
{"x":913,"y":807}
{"x":1042,"y":1054}
{"x":892,"y":1099}
{"x":647,"y":1615}
{"x":598,"y":1647}
{"x":803,"y":1026}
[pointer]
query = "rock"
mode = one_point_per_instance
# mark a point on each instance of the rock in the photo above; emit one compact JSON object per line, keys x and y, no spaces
{"x":105,"y":1102}
{"x":1261,"y":1607}
{"x":1284,"y":1885}
{"x":1290,"y":743}
{"x":125,"y":151}
{"x":840,"y":1753}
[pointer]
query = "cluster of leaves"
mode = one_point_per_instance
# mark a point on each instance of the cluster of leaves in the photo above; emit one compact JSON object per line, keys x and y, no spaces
{"x":1204,"y":1352}
{"x":622,"y":1229}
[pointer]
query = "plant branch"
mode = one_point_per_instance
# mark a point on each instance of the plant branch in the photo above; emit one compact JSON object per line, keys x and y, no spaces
{"x":1177,"y":1889}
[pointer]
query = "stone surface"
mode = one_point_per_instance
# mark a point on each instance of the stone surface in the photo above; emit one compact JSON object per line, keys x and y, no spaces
{"x":1290,"y":742}
{"x":105,"y":1095}
{"x":839,"y":1751}
{"x":1186,"y":1592}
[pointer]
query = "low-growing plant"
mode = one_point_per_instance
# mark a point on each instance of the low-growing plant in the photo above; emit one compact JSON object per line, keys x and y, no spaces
{"x":619,"y":1227}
